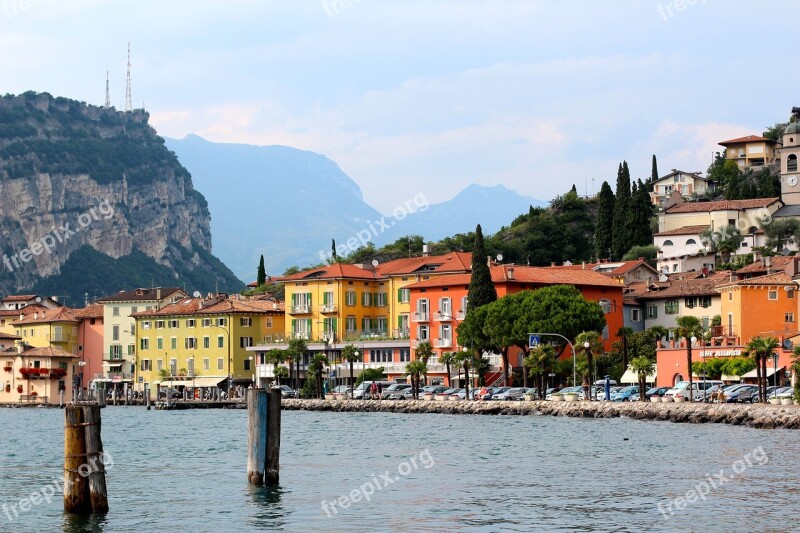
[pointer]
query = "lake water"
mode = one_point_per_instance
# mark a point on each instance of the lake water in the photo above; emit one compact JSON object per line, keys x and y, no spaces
{"x":186,"y":471}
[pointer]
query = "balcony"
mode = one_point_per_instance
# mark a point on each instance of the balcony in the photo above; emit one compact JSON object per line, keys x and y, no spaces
{"x":403,"y":333}
{"x":461,"y":314}
{"x":444,"y":343}
{"x":362,"y":334}
{"x":328,"y":308}
{"x":420,"y":317}
{"x":300,"y":309}
{"x":114,"y":358}
{"x":301,"y":335}
{"x":443,"y":317}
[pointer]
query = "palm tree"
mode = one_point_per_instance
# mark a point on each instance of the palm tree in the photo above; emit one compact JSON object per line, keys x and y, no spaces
{"x":281,"y":372}
{"x":463,"y":359}
{"x":595,"y":344}
{"x":761,"y":349}
{"x":415,"y":369}
{"x":296,"y":349}
{"x":447,"y":359}
{"x":538,"y":361}
{"x":315,"y":368}
{"x":688,"y":327}
{"x":643,"y":366}
{"x":424,"y":353}
{"x":351,"y":355}
{"x":275,"y":357}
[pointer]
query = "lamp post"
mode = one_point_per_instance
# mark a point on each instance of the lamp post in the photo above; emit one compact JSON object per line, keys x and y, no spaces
{"x":81,"y":364}
{"x":572,"y":347}
{"x":693,"y":340}
{"x":775,"y":373}
{"x":253,"y":368}
{"x":586,"y":347}
{"x":353,"y":388}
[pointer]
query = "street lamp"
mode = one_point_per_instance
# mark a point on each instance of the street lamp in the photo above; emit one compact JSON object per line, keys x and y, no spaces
{"x":353,"y":388}
{"x":586,"y":346}
{"x":466,"y":375}
{"x":81,"y":364}
{"x":253,"y":368}
{"x":693,"y":340}
{"x":572,"y":347}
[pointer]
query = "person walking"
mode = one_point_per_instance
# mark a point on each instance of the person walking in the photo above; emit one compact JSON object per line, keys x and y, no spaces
{"x":380,"y":391}
{"x":373,"y":390}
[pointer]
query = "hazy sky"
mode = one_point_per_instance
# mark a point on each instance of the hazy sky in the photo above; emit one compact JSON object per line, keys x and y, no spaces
{"x":429,"y":96}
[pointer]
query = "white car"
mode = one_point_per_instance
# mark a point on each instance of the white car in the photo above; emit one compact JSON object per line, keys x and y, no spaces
{"x":699,"y":389}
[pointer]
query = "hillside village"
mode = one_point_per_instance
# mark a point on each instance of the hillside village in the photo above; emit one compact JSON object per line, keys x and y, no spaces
{"x":719,"y":261}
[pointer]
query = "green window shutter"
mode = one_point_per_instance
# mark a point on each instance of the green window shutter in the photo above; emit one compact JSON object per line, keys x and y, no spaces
{"x":294,"y":299}
{"x":308,"y":325}
{"x":399,"y":295}
{"x":309,"y":299}
{"x":326,"y":298}
{"x":335,"y":329}
{"x":294,"y":325}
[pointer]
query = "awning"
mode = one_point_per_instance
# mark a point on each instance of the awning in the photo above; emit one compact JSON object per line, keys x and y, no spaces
{"x":196,"y":382}
{"x":632,"y":377}
{"x":754,"y":373}
{"x":111,"y":365}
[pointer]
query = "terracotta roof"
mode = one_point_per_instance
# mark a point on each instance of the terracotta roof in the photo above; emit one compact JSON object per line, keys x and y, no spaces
{"x":92,"y":311}
{"x":59,"y":314}
{"x":779,"y":278}
{"x":451,"y":262}
{"x":684,"y":230}
{"x":722,"y":205}
{"x":27,"y":310}
{"x":334,"y":271}
{"x":200,"y":306}
{"x":747,"y":139}
{"x":48,"y":351}
{"x":139,"y":295}
{"x":627,"y":266}
{"x":526,"y":274}
{"x":681,"y":288}
{"x":19,"y":297}
{"x":8,"y":337}
{"x":778,"y":262}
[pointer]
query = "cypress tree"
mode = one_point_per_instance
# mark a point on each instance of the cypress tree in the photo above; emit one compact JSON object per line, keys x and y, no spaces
{"x":334,"y":255}
{"x":641,"y":213}
{"x":620,"y":231}
{"x":654,"y":172}
{"x":605,"y":219}
{"x":261,"y":277}
{"x":481,"y":289}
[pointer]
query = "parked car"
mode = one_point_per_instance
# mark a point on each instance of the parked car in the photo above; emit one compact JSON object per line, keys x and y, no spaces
{"x":601,"y":395}
{"x":363,"y":387}
{"x":342,"y":389}
{"x":699,"y":389}
{"x":656,"y":391}
{"x":288,"y":392}
{"x":743,"y":394}
{"x":565,"y":390}
{"x":433,"y":389}
{"x":514,"y":393}
{"x":624,"y":394}
{"x":490,"y":391}
{"x":174,"y":394}
{"x":395,"y":391}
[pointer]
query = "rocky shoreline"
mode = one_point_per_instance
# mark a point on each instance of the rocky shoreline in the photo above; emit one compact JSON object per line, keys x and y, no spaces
{"x":755,"y":416}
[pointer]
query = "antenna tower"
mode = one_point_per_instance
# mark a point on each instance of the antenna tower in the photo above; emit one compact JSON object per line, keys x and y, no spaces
{"x":128,"y":101}
{"x":108,"y":93}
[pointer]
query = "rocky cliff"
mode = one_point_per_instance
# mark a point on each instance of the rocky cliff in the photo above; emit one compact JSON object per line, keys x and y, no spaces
{"x":75,"y":176}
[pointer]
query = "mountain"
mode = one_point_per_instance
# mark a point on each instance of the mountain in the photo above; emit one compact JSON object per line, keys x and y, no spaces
{"x":288,"y":204}
{"x":491,"y":207}
{"x":87,"y":191}
{"x":278,"y":201}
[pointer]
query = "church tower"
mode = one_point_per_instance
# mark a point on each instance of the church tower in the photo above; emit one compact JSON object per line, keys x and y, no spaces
{"x":789,"y":153}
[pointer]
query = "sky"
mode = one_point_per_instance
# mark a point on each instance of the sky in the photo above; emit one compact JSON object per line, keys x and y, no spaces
{"x":428,"y":97}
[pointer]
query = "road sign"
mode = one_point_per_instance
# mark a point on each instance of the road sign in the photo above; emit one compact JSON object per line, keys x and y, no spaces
{"x":141,"y":379}
{"x":534,"y":340}
{"x":333,"y":373}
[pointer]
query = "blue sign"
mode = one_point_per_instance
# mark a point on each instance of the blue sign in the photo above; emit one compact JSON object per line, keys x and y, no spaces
{"x":534,"y":340}
{"x":333,"y":373}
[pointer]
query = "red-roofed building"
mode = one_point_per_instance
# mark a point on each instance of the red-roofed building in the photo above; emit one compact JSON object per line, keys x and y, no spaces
{"x":752,"y":151}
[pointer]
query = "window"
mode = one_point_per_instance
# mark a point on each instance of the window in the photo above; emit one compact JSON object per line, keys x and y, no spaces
{"x":144,"y":344}
{"x":269,"y":322}
{"x":772,"y":294}
{"x":366,"y":324}
{"x":671,"y":307}
{"x":114,"y":333}
{"x":146,"y":324}
{"x":380,"y":299}
{"x":445,"y":308}
{"x":405,"y":355}
{"x":190,"y":322}
{"x":206,"y":364}
{"x":790,"y":294}
{"x":690,"y":302}
{"x":131,"y":349}
{"x":730,"y":296}
{"x":244,"y":342}
{"x":220,"y":363}
{"x":705,"y":301}
{"x":246,"y":365}
{"x":159,"y":365}
{"x":329,"y":328}
{"x":206,"y":343}
{"x":190,"y":343}
{"x":220,"y":341}
{"x":206,"y":322}
{"x":366,"y":299}
{"x":636,"y":315}
{"x":160,"y":343}
{"x":445,"y":334}
{"x":116,"y":351}
{"x":652,"y":311}
{"x":789,"y":317}
{"x":350,"y":324}
{"x":172,"y":324}
{"x":403,"y":295}
{"x":222,"y":322}
{"x":134,"y":309}
{"x":146,"y":365}
{"x":422,"y":309}
{"x":245,"y":322}
{"x":173,"y":343}
{"x":424,"y":334}
{"x":350,"y":298}
{"x":791,"y":163}
{"x":159,"y":324}
{"x":380,"y":324}
{"x":115,"y":311}
{"x":667,"y":243}
{"x":690,"y":241}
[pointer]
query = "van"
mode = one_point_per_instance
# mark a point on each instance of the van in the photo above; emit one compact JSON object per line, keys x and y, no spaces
{"x":363,"y":387}
{"x":699,"y":389}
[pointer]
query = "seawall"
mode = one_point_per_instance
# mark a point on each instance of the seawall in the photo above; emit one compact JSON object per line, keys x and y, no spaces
{"x":756,"y":416}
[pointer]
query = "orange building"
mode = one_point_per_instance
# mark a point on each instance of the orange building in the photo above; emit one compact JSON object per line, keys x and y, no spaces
{"x":758,"y":307}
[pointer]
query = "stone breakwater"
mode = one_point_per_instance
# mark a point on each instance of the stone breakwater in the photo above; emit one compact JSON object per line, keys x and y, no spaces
{"x":756,"y":416}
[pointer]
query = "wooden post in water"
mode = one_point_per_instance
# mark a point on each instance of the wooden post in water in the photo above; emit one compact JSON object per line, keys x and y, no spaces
{"x":256,"y":435}
{"x":61,"y":398}
{"x":98,"y":495}
{"x":272,"y":473}
{"x":76,"y":493}
{"x":147,"y":395}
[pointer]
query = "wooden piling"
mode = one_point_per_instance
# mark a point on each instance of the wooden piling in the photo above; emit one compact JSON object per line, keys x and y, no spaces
{"x":147,"y":396}
{"x":98,"y":494}
{"x":76,"y":491}
{"x":272,"y":473}
{"x":256,"y":435}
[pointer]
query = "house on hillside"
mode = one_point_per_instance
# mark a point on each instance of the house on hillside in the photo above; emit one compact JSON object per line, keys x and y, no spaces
{"x":685,"y":183}
{"x":752,"y":152}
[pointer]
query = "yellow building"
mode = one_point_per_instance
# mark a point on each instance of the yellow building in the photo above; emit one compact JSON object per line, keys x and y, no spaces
{"x":57,"y":328}
{"x":752,"y":152}
{"x":202,"y":342}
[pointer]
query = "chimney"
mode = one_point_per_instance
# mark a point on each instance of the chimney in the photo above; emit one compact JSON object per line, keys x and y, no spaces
{"x":426,"y":251}
{"x":21,"y":316}
{"x":35,"y":315}
{"x":489,"y":260}
{"x":54,"y":298}
{"x":158,"y":293}
{"x":553,"y":264}
{"x":510,"y":273}
{"x":20,"y":346}
{"x":768,"y":264}
{"x":583,"y":265}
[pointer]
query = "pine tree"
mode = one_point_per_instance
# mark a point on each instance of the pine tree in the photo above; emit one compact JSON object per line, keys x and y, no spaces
{"x":334,"y":255}
{"x":654,"y":172}
{"x":481,"y":289}
{"x":261,"y":277}
{"x":605,"y":219}
{"x":641,"y":214}
{"x":620,"y":231}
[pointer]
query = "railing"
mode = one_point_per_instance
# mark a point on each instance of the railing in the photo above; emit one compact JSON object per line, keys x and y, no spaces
{"x":302,"y":335}
{"x":404,"y":333}
{"x":300,"y":309}
{"x":461,"y":314}
{"x":444,"y":343}
{"x":420,"y":317}
{"x":114,"y":357}
{"x":722,"y":331}
{"x":443,"y":317}
{"x":328,"y":308}
{"x":361,"y":334}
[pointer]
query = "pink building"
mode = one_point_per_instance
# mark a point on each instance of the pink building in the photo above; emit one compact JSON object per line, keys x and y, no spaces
{"x":90,"y":344}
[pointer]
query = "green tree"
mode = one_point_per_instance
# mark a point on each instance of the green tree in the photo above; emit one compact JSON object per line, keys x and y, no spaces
{"x":605,"y":220}
{"x":620,"y":230}
{"x":539,"y":361}
{"x":481,"y":288}
{"x":688,"y":327}
{"x":649,"y":253}
{"x":464,"y":359}
{"x":591,"y":343}
{"x":294,"y":352}
{"x":423,"y":353}
{"x":334,"y":255}
{"x":470,"y":330}
{"x":261,"y":277}
{"x":415,"y":369}
{"x":724,"y":242}
{"x":276,"y":357}
{"x":639,"y":218}
{"x":780,"y":232}
{"x":624,"y":333}
{"x":447,"y":359}
{"x":281,"y":372}
{"x":351,"y":355}
{"x":761,"y":350}
{"x":499,"y":326}
{"x":642,"y":366}
{"x":316,"y":369}
{"x":654,"y":171}
{"x":371,"y":374}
